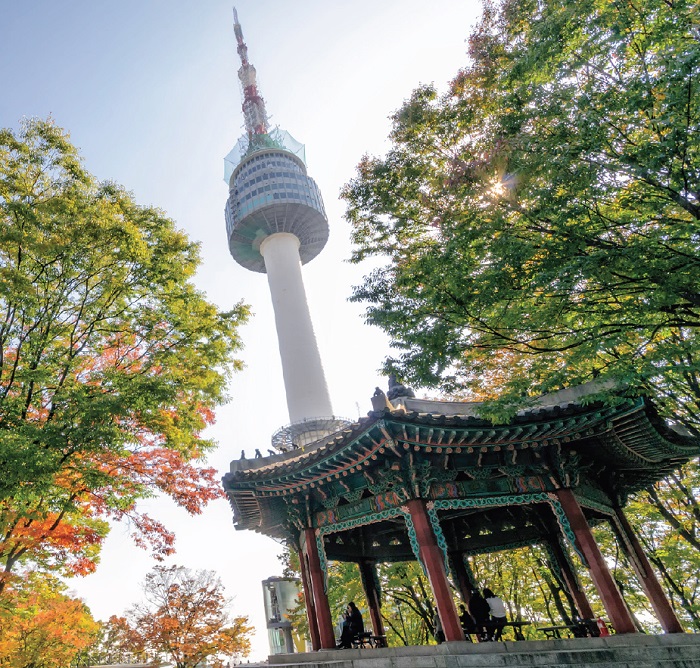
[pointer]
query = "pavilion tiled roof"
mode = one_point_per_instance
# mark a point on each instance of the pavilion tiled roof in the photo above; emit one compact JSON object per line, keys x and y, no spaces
{"x":629,"y":439}
{"x":646,"y":436}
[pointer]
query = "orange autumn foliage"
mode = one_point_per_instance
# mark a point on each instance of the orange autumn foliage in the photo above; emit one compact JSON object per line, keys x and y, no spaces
{"x":69,"y":540}
{"x":43,"y":628}
{"x":185,"y":619}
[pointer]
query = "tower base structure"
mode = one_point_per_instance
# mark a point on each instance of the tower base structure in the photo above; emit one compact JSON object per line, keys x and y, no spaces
{"x":303,"y":433}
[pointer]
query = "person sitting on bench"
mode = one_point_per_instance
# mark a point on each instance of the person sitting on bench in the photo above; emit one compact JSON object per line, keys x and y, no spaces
{"x":353,"y":626}
{"x":497,"y":610}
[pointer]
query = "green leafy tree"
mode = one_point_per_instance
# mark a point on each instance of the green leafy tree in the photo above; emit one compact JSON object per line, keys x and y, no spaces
{"x":409,"y":608}
{"x":529,"y":584}
{"x":630,"y":588}
{"x":296,"y":616}
{"x":527,"y":579}
{"x":111,"y":362}
{"x":538,"y":225}
{"x":667,"y":520}
{"x":344,"y":585}
{"x":113,"y":645}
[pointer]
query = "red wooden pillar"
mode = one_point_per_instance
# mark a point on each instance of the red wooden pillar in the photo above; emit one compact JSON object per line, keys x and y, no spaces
{"x":582,"y":605}
{"x":322,"y":609}
{"x":607,"y":589}
{"x":310,"y":606}
{"x":367,"y":572}
{"x":646,"y":576}
{"x":459,"y":570}
{"x":435,"y":568}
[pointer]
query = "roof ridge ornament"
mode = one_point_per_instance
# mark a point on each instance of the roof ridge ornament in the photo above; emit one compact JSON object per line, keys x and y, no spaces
{"x":380,"y":402}
{"x":398,"y":389}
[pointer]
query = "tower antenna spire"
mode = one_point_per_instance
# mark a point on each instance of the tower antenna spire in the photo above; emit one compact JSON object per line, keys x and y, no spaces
{"x":254,"y":113}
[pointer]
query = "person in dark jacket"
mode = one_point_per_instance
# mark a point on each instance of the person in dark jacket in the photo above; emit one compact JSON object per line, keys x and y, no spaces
{"x":352,"y":626}
{"x":467,"y":622}
{"x":480,"y":611}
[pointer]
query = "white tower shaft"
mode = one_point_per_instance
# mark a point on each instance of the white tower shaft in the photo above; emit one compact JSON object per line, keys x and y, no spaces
{"x":304,"y":380}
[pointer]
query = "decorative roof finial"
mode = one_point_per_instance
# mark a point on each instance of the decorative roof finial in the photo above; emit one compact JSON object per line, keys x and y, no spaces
{"x":398,"y":389}
{"x":379,"y":401}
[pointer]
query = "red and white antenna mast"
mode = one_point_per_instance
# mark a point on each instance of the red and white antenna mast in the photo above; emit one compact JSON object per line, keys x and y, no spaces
{"x":253,"y":105}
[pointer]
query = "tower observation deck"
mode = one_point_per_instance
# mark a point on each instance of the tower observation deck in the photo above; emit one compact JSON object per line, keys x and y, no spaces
{"x":275,"y":222}
{"x":270,"y":192}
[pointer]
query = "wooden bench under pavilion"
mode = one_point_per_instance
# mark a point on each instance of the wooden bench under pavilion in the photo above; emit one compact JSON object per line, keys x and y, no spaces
{"x":430,"y":481}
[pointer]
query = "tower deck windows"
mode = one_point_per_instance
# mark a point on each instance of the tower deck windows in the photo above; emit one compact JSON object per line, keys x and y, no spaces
{"x":270,"y":192}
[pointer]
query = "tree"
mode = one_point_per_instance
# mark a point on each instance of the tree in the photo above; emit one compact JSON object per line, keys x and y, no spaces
{"x":409,"y":610}
{"x":184,"y":618}
{"x":667,"y":520}
{"x":113,"y":645}
{"x":42,"y":627}
{"x":111,"y":362}
{"x":529,"y":579}
{"x":344,"y":585}
{"x":539,"y":224}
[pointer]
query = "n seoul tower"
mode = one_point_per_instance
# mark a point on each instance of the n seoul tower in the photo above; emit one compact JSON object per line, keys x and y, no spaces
{"x":275,"y":221}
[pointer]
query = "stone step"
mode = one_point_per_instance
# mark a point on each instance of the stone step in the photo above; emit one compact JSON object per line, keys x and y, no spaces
{"x":638,"y":651}
{"x":528,"y":661}
{"x":669,"y":663}
{"x":573,"y":657}
{"x":525,"y":662}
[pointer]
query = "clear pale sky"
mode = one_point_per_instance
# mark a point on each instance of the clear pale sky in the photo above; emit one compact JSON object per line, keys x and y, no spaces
{"x":149,"y":92}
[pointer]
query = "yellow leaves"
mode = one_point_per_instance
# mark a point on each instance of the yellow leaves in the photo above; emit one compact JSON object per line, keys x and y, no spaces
{"x":43,"y":628}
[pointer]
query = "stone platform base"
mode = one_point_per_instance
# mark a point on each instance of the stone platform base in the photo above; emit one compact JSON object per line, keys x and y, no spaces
{"x":680,"y":650}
